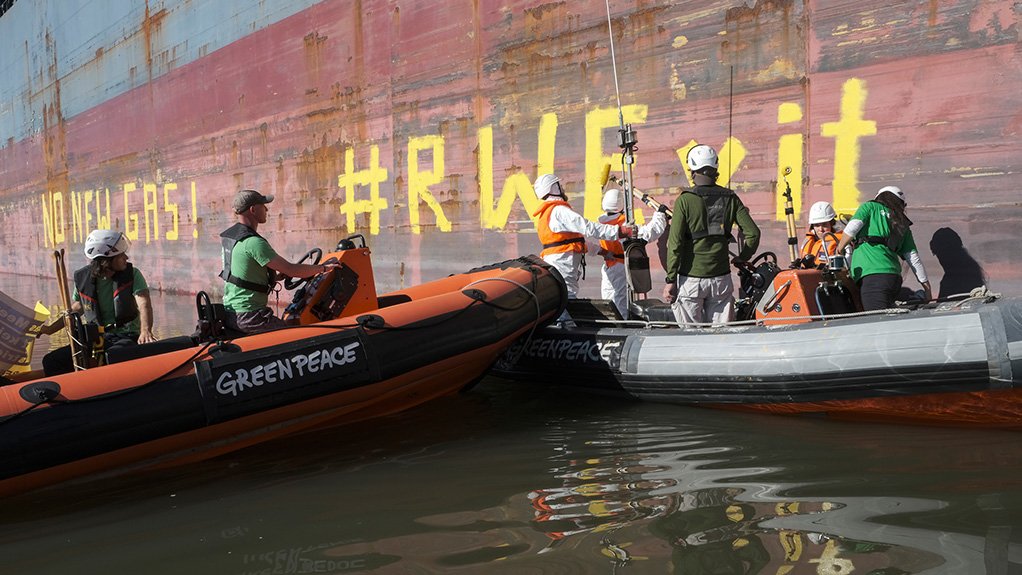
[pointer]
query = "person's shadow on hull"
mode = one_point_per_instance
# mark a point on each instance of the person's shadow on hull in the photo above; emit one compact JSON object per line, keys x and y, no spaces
{"x":962,"y":273}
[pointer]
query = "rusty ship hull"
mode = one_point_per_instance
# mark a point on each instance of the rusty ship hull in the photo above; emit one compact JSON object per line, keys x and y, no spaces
{"x":423,"y":124}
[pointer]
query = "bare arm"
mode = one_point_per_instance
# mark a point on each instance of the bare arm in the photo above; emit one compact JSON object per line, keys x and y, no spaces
{"x":145,"y":317}
{"x":58,"y":324}
{"x":279,"y":264}
{"x":851,"y":230}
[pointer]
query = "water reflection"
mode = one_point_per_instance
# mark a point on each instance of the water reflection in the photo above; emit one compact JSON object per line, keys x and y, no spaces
{"x":726,"y":529}
{"x":506,"y":480}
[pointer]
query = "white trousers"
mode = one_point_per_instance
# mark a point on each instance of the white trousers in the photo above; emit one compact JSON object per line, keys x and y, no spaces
{"x":614,"y":287}
{"x":704,"y":300}
{"x":570,"y":266}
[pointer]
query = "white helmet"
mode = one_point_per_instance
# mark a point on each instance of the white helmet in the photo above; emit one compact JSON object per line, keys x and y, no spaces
{"x":105,"y":243}
{"x":612,"y":201}
{"x":821,"y":213}
{"x":702,"y":156}
{"x":894,"y":190}
{"x":544,"y":185}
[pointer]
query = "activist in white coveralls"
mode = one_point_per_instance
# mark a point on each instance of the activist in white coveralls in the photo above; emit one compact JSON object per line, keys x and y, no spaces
{"x":614,"y":286}
{"x":563,"y":232}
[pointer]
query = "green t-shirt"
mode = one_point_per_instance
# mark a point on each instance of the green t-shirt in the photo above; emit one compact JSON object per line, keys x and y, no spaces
{"x":706,"y":257}
{"x":105,"y":302}
{"x":870,"y":259}
{"x":248,"y":262}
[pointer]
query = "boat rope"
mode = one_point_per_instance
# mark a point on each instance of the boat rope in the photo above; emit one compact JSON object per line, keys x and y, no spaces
{"x":202,"y":350}
{"x":59,"y":400}
{"x":539,"y":312}
{"x":981,"y":293}
{"x":748,"y":322}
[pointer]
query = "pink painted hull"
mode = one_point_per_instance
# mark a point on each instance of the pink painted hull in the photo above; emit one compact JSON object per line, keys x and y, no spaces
{"x":455,"y":100}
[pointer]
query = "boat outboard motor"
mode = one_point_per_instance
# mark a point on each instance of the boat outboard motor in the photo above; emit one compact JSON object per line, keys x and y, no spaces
{"x":754,"y":279}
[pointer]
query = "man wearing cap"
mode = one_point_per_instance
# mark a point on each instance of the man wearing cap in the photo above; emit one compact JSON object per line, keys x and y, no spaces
{"x":111,"y":293}
{"x":250,"y":267}
{"x":883,"y":235}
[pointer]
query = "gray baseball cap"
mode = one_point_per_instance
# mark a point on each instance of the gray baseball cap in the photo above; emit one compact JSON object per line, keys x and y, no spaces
{"x":245,"y":199}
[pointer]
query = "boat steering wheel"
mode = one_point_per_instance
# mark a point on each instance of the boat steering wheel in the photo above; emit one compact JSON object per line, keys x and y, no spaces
{"x":292,"y":283}
{"x":754,"y":263}
{"x":765,"y":255}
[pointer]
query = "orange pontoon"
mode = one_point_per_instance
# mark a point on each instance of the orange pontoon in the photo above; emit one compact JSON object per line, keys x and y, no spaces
{"x":353,"y":356}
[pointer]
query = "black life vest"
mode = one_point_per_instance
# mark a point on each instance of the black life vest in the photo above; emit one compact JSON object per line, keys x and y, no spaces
{"x":125,"y":306}
{"x":230,"y":238}
{"x":717,"y":200}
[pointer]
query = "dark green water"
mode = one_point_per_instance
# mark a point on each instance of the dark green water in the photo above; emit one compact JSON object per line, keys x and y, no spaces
{"x":523,"y":478}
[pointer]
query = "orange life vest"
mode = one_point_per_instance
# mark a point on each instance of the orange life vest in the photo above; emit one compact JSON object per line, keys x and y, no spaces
{"x":612,"y":251}
{"x":814,"y":246}
{"x":556,"y":242}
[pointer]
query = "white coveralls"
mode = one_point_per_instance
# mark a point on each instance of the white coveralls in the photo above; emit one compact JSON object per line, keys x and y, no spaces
{"x":614,"y":286}
{"x":564,"y":219}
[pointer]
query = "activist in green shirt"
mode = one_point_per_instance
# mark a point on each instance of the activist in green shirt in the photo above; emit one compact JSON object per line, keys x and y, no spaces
{"x":250,"y":267}
{"x":884,"y":239}
{"x":109,"y":292}
{"x":698,"y":267}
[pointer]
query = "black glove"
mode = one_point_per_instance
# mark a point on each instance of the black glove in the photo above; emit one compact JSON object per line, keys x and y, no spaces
{"x":662,"y":209}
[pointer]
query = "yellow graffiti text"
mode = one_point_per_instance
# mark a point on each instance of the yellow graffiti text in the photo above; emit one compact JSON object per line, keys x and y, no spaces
{"x":419,"y":181}
{"x":729,"y":159}
{"x":54,"y":221}
{"x":90,"y":209}
{"x":789,"y":155}
{"x":130,"y":218}
{"x":372,"y":177}
{"x":597,"y":121}
{"x":846,"y":133}
{"x":149,"y":206}
{"x":517,"y":184}
{"x":87,"y":212}
{"x":170,"y":208}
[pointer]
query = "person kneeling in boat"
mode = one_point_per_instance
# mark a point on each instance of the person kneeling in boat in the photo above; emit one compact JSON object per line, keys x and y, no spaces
{"x":822,"y":237}
{"x":699,"y":284}
{"x":109,"y":292}
{"x":563,"y":232}
{"x":250,"y":267}
{"x":886,"y":236}
{"x":614,"y":285}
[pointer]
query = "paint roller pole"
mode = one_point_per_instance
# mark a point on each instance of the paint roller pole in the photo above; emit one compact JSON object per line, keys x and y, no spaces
{"x":644,"y":197}
{"x":789,"y":212}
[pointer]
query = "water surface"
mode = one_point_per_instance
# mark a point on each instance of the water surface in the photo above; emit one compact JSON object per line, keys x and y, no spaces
{"x":524,"y":478}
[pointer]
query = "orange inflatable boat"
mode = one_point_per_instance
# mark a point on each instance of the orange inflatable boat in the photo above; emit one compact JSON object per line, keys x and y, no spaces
{"x":352,"y":356}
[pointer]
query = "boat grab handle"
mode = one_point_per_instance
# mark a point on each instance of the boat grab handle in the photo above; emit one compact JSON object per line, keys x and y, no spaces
{"x":778,"y":295}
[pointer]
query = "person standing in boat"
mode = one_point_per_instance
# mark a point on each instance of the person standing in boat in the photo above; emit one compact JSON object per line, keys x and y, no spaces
{"x":699,"y":284}
{"x":822,"y":236}
{"x":614,"y":285}
{"x":563,"y":232}
{"x":250,"y":267}
{"x":109,"y":292}
{"x":883,"y":233}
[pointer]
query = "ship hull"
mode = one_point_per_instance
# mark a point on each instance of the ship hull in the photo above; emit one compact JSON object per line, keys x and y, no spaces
{"x":423,"y":124}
